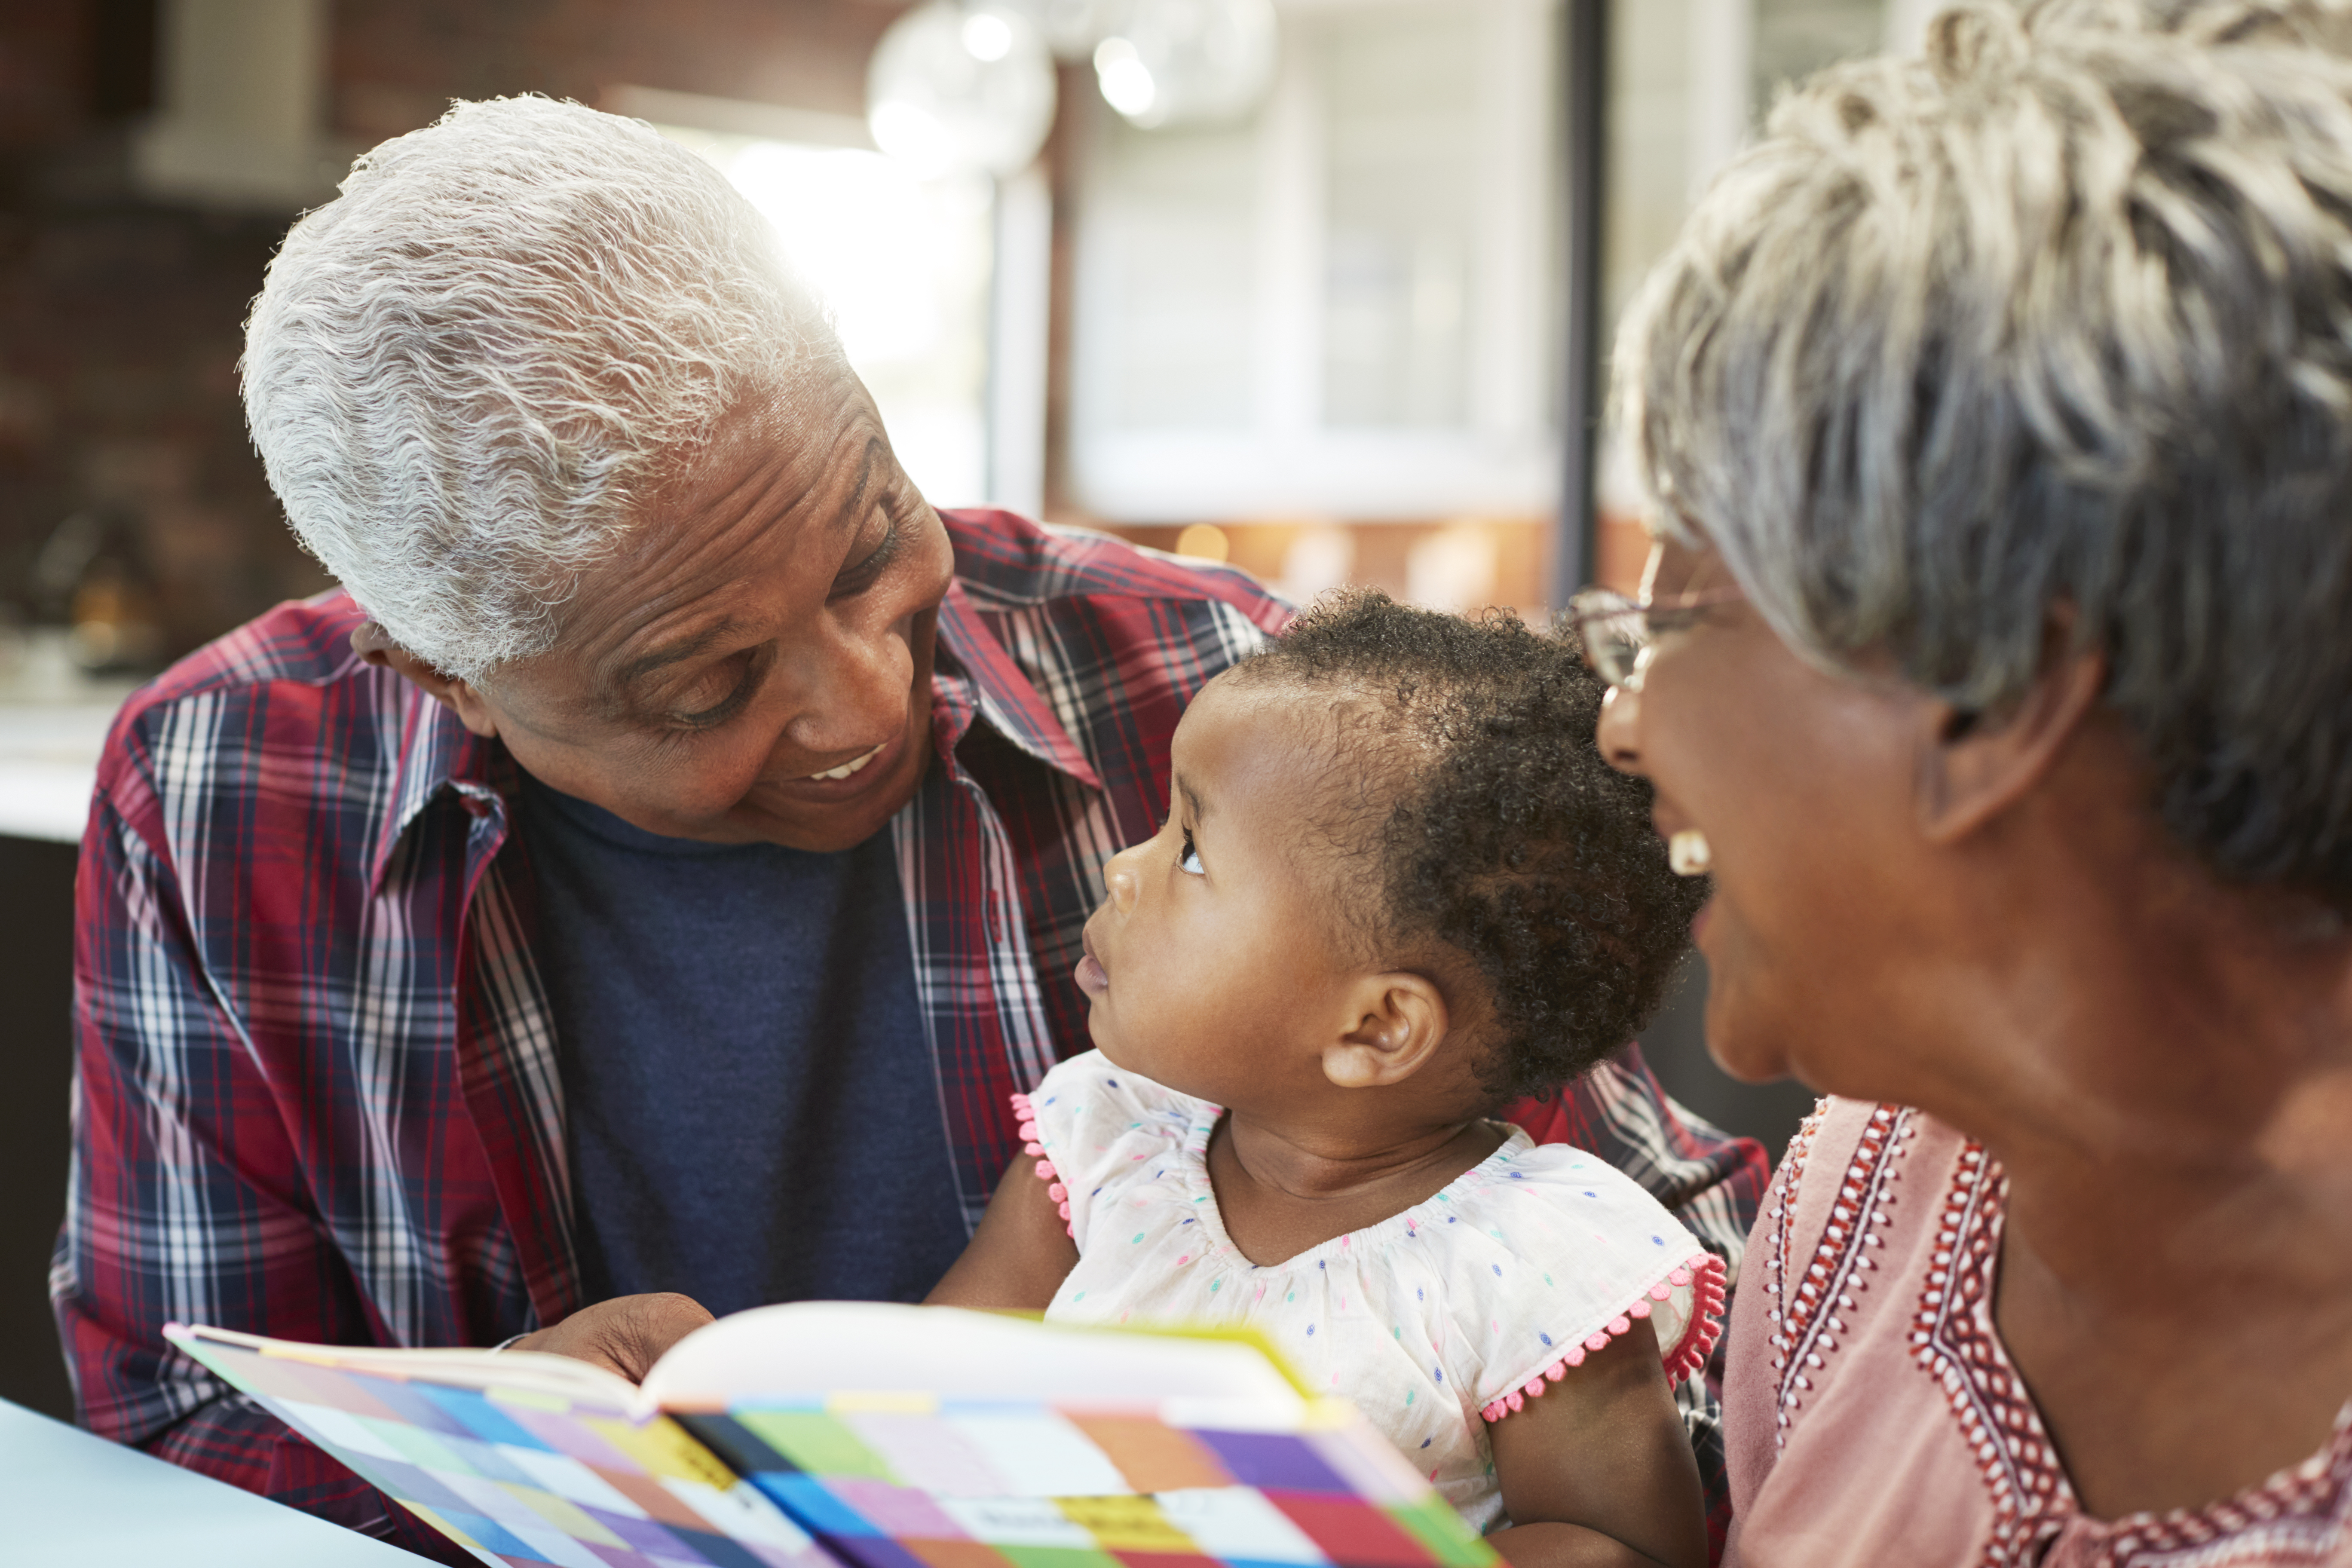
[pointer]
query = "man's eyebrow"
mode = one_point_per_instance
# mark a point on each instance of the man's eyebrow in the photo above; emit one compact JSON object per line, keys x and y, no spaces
{"x":1192,"y":803}
{"x":672,"y":653}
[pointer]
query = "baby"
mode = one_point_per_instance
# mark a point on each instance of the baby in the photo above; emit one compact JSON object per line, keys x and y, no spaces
{"x":1397,"y":888}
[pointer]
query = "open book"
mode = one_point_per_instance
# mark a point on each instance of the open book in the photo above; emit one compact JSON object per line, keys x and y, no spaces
{"x":862,"y":1434}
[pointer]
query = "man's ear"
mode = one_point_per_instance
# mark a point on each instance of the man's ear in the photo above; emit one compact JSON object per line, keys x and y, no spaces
{"x":1400,"y":1020}
{"x":1973,"y":767}
{"x":375,"y":645}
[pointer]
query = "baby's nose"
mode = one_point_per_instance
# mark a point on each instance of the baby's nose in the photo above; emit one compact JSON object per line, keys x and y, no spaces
{"x":1120,"y":875}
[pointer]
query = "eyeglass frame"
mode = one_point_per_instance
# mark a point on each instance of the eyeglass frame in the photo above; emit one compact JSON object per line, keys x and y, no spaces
{"x":1591,"y":607}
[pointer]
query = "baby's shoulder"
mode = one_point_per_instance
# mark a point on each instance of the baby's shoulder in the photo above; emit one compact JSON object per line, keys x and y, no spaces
{"x":1089,"y":1102}
{"x":1549,"y":1251}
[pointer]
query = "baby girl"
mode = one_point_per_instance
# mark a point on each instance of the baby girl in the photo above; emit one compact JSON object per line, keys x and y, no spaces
{"x":1397,"y":888}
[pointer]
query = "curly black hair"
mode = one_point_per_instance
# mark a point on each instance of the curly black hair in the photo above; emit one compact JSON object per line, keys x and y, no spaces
{"x":1485,"y":818}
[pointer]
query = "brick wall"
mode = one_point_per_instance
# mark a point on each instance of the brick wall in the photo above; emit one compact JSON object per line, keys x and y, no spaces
{"x":119,"y":317}
{"x":398,"y":62}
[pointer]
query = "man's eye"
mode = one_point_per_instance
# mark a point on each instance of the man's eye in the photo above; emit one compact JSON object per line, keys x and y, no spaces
{"x":856,"y":578}
{"x":715,"y":696}
{"x":1190,"y":860}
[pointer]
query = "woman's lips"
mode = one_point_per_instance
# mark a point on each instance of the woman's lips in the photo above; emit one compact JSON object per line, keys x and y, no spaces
{"x":1092,"y":978}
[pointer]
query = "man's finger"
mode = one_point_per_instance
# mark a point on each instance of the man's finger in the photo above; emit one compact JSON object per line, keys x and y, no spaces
{"x":625,"y":1335}
{"x":655,"y":1323}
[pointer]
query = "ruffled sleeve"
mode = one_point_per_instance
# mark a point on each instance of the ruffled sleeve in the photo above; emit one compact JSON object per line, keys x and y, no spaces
{"x":1092,"y":1128}
{"x":1564,"y":1253}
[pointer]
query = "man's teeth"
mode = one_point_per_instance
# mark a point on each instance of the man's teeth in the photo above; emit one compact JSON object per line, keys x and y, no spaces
{"x":850,"y":767}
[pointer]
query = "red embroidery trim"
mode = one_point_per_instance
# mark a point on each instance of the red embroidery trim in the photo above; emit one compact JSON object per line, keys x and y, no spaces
{"x":1702,"y":1272}
{"x":1952,"y":1339}
{"x":2298,"y":1516}
{"x":1804,"y":1318}
{"x":1045,"y":1172}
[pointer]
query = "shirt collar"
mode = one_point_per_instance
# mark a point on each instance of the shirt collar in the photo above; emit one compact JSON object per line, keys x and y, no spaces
{"x":436,"y":750}
{"x":1001,"y":693}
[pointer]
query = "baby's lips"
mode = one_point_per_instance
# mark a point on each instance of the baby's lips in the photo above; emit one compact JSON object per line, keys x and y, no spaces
{"x":1091,"y":976}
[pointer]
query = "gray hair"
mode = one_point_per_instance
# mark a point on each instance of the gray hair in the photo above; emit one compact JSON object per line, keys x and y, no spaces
{"x":466,"y":373}
{"x":2059,"y":315}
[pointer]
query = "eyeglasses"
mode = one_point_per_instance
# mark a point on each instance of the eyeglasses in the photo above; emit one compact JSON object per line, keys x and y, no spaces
{"x":1618,"y":634}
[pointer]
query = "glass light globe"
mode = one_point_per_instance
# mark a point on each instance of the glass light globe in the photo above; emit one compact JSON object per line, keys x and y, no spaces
{"x":1188,"y":62}
{"x":1072,"y":27}
{"x":953,"y":89}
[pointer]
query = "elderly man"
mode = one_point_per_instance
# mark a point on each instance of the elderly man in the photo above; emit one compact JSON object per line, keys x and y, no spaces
{"x":639,"y":890}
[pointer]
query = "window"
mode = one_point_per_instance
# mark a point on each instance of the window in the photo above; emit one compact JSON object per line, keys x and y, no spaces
{"x":903,"y":263}
{"x":1344,"y":308}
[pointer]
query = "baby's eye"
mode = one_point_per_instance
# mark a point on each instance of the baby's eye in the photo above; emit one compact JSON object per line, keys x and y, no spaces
{"x":1190,"y":861}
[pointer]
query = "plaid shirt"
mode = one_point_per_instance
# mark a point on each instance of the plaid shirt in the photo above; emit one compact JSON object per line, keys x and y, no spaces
{"x":317,"y":1094}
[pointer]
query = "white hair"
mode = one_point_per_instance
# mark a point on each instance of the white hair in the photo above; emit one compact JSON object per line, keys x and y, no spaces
{"x":2059,"y":314}
{"x":466,"y":373}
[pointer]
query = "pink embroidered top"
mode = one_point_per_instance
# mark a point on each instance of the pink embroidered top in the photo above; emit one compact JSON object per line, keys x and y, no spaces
{"x":1873,"y":1416}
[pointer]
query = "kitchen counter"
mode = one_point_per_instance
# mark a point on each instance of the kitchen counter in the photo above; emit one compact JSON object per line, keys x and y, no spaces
{"x":53,"y":721}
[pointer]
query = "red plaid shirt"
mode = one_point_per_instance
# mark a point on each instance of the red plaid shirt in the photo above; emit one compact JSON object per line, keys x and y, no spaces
{"x":317,"y":1094}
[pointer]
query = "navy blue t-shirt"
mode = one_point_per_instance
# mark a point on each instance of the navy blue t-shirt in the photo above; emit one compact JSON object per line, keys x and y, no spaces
{"x":753,"y":1109}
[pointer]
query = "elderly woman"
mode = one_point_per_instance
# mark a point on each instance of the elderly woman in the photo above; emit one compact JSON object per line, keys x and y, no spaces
{"x":1997,"y":658}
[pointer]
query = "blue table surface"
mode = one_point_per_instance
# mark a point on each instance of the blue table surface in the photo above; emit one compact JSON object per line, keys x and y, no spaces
{"x":67,"y":1498}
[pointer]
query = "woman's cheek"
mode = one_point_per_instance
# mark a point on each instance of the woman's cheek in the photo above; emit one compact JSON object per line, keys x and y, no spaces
{"x":1742,"y":1043}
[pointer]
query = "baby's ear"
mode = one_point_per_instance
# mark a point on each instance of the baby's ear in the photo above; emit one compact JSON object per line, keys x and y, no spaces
{"x":1399,"y":1021}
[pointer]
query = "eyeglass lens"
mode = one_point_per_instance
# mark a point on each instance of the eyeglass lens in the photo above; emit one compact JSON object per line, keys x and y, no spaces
{"x":1612,"y":630}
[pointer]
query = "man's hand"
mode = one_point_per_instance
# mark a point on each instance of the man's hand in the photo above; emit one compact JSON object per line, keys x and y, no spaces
{"x":626,"y":1334}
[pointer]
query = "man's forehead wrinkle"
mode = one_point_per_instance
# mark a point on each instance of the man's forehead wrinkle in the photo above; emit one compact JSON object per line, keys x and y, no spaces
{"x":670,"y":612}
{"x":660,"y":559}
{"x":671,"y":653}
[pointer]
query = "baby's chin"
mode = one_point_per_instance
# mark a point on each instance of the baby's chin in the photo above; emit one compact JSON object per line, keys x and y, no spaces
{"x":1123,"y":1058}
{"x":1099,"y":1032}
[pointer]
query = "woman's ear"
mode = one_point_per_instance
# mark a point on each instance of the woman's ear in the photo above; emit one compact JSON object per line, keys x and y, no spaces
{"x":1971,"y":767}
{"x":376,"y":645}
{"x":1399,"y":1020}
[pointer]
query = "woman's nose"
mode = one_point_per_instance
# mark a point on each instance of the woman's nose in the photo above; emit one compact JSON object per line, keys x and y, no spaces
{"x":1119,"y":873}
{"x":1619,"y":732}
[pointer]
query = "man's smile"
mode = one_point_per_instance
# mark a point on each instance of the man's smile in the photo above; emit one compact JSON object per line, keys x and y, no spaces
{"x":852,"y":766}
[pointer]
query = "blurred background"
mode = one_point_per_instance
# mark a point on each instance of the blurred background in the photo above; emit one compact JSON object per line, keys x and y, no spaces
{"x":1318,"y":286}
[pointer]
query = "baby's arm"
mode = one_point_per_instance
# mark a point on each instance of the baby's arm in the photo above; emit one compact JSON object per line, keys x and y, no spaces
{"x":1020,"y":1254}
{"x":1599,"y":1469}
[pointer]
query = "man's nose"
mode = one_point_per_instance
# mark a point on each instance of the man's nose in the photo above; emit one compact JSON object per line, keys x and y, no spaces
{"x":859,"y":694}
{"x":1121,"y":874}
{"x":1619,"y":732}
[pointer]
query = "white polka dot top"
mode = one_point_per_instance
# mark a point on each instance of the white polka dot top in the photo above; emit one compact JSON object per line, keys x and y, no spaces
{"x":1460,"y":1307}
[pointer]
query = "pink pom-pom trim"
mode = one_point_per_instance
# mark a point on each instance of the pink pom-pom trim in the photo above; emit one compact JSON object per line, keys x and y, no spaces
{"x":1054,"y":1189}
{"x":1704,"y":1273}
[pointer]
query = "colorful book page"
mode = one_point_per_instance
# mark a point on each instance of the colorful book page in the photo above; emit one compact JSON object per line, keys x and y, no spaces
{"x":981,"y":1484}
{"x":522,"y":1477}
